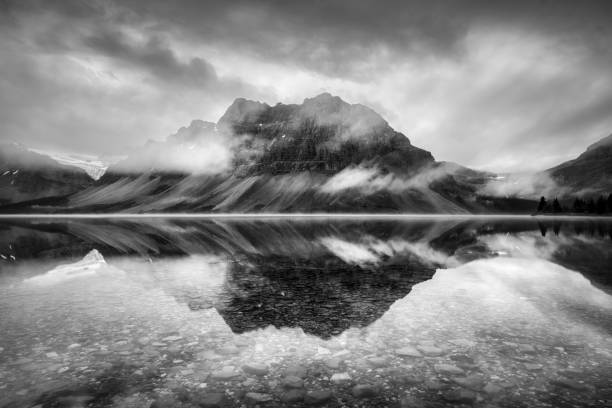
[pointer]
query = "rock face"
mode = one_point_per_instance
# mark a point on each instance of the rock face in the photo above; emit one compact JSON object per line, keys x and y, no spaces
{"x":323,"y":134}
{"x":591,"y":170}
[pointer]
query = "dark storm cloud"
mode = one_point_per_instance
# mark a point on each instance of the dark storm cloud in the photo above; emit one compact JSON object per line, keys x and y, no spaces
{"x":335,"y":35}
{"x":95,"y":77}
{"x":153,"y":56}
{"x":484,"y":83}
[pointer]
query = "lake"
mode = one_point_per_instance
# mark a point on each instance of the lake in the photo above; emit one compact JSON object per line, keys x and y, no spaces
{"x":381,"y":312}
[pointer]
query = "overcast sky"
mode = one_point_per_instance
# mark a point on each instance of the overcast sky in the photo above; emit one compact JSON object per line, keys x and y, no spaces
{"x":504,"y":86}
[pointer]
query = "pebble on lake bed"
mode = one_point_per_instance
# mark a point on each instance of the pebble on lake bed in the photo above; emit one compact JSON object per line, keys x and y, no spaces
{"x":255,"y":369}
{"x":212,"y":400}
{"x":293,"y":396}
{"x":318,"y":397}
{"x":340,"y":378}
{"x":365,"y":391}
{"x":257,"y":397}
{"x":292,"y":382}
{"x":448,"y":369}
{"x":408,"y":351}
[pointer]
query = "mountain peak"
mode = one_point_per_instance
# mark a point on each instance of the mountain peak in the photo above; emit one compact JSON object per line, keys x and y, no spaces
{"x":193,"y":132}
{"x":242,"y":110}
{"x":325,"y":99}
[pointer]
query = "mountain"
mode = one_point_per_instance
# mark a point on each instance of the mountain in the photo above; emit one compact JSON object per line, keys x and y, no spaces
{"x":323,"y":134}
{"x":93,"y":166}
{"x":26,"y":175}
{"x":324,"y":155}
{"x":589,"y":173}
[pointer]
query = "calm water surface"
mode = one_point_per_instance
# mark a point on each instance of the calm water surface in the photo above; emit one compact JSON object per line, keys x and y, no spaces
{"x":364,"y":313}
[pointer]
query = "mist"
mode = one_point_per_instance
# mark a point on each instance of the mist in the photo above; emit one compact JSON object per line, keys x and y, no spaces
{"x":523,"y":185}
{"x":199,"y":149}
{"x":370,"y":180}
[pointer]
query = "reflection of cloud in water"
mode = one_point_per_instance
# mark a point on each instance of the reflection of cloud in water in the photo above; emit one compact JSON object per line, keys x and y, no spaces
{"x":588,"y":255}
{"x":511,"y":280}
{"x":349,"y":252}
{"x":371,"y":250}
{"x":527,"y":244}
{"x":195,"y":280}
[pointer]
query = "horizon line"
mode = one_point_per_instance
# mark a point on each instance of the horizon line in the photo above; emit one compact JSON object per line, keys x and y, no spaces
{"x":292,"y":215}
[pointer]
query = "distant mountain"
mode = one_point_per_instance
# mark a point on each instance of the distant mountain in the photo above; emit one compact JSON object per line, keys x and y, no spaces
{"x":589,"y":173}
{"x":93,"y":166}
{"x":26,"y":175}
{"x":324,"y":155}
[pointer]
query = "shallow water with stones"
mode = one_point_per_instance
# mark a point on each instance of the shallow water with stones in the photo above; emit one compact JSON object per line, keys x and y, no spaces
{"x":398,"y":313}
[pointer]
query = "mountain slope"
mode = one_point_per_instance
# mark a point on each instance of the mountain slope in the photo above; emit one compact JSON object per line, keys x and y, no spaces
{"x":589,"y":173}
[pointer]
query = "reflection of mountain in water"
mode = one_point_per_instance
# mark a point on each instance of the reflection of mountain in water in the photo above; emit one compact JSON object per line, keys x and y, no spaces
{"x":324,"y":296}
{"x":323,"y":276}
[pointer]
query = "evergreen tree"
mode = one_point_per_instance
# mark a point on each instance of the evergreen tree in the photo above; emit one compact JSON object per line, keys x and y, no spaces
{"x":601,"y":205}
{"x":542,"y":204}
{"x":591,"y":207}
{"x":578,"y":206}
{"x":556,"y":206}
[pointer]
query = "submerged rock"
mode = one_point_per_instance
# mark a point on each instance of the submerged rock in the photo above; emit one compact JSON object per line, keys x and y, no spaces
{"x":225,"y":373}
{"x":318,"y":397}
{"x":492,"y":389}
{"x":292,"y":382}
{"x":293,"y":396}
{"x":534,"y":367}
{"x":212,"y":400}
{"x":296,"y":371}
{"x":570,"y":384}
{"x":340,"y":378}
{"x":377,"y":362}
{"x":256,"y":369}
{"x":474,"y":382}
{"x":460,"y":396}
{"x":430,"y":350}
{"x":257,"y":397}
{"x":365,"y":391}
{"x":448,"y":369}
{"x":333,"y":362}
{"x":172,"y":338}
{"x":408,"y":351}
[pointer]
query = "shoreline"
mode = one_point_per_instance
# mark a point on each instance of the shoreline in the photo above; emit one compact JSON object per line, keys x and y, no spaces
{"x":299,"y":216}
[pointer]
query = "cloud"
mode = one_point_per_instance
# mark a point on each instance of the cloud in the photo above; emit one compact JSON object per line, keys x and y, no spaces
{"x":93,"y":78}
{"x":487,"y":84}
{"x":523,"y":185}
{"x":154,"y":56}
{"x":369,"y":180}
{"x":197,"y":149}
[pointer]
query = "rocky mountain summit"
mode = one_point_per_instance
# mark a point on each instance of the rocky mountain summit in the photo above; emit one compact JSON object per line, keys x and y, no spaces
{"x":324,"y":134}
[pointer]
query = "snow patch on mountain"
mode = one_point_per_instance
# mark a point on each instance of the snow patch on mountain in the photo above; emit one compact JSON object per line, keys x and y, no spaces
{"x":92,"y":165}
